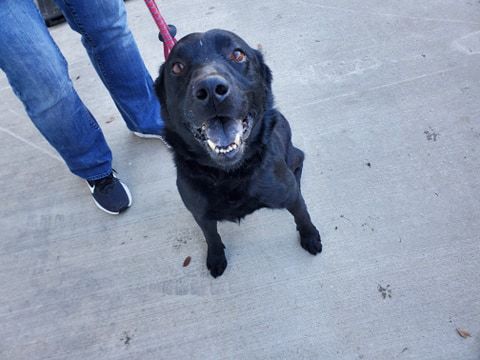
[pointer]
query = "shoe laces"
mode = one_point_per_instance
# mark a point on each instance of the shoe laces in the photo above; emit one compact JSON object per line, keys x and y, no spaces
{"x":106,"y":184}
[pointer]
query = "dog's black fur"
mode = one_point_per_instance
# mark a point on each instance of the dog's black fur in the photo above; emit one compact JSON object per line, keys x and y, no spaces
{"x":232,"y":148}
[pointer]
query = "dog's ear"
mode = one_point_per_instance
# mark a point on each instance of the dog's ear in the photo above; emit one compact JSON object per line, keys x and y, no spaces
{"x":160,"y":91}
{"x":160,"y":86}
{"x":267,"y":79}
{"x":266,"y":72}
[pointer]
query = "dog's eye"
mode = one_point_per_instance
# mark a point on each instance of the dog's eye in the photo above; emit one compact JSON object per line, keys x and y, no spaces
{"x":177,"y":68}
{"x":238,"y":56}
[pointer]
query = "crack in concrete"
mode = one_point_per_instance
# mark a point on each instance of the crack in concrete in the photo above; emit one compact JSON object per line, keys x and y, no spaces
{"x":25,"y":141}
{"x":440,"y":72}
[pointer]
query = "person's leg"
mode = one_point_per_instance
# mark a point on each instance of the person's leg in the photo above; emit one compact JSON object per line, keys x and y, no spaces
{"x":115,"y":56}
{"x":38,"y":74}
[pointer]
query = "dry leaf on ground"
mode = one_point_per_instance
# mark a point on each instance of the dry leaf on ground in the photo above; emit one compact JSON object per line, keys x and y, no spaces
{"x":187,"y":260}
{"x":463,"y":333}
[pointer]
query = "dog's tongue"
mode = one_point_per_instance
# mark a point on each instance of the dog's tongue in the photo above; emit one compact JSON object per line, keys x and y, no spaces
{"x":223,"y":131}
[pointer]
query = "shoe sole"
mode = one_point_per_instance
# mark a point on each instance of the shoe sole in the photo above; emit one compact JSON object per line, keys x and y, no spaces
{"x":129,"y":195}
{"x":151,"y":136}
{"x":148,"y":136}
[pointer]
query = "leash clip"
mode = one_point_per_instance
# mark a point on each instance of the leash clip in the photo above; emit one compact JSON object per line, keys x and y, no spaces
{"x":171,"y":29}
{"x":168,"y":40}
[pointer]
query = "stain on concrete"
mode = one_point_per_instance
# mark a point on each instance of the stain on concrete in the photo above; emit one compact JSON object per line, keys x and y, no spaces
{"x":385,"y":292}
{"x":179,"y":242}
{"x":181,"y":238}
{"x":126,"y":338}
{"x":366,"y":226}
{"x":431,"y":135}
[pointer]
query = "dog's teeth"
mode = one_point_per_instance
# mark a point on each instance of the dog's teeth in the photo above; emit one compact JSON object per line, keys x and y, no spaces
{"x":211,"y":144}
{"x":238,"y":139}
{"x":226,"y":149}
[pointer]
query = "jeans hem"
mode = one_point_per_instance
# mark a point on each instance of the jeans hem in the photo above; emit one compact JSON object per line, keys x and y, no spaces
{"x":99,"y":176}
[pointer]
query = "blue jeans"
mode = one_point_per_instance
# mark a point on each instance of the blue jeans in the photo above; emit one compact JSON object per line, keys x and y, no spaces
{"x":37,"y":72}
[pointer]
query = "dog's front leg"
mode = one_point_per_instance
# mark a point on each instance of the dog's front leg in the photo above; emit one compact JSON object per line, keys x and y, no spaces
{"x":216,"y":260}
{"x":309,"y":236}
{"x":198,"y":204}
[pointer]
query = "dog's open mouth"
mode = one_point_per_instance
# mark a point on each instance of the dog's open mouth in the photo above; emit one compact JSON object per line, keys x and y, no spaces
{"x":225,"y":150}
{"x":225,"y":137}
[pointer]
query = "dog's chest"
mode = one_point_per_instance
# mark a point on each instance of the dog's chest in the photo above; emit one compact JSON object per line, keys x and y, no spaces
{"x":231,"y":202}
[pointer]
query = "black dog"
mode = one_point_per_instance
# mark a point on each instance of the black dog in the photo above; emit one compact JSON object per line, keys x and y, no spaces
{"x":232,"y":149}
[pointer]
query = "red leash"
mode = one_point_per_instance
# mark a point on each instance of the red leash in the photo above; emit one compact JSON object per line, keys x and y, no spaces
{"x":169,"y":41}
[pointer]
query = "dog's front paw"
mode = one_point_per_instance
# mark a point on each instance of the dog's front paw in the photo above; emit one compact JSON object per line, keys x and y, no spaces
{"x":216,"y":263}
{"x":311,"y":242}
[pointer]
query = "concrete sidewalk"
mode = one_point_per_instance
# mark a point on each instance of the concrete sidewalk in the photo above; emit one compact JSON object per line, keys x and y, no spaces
{"x":383,"y":96}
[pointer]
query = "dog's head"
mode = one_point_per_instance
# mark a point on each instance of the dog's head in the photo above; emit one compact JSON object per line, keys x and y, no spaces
{"x":214,"y":90}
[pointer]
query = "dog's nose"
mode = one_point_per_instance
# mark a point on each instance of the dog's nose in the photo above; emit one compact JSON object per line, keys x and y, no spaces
{"x":213,"y":86}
